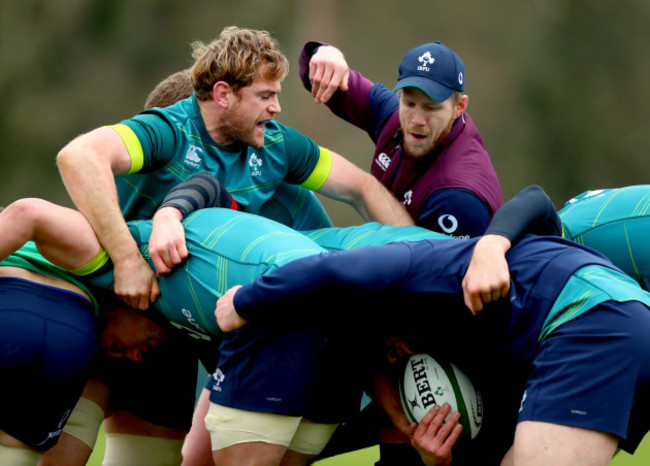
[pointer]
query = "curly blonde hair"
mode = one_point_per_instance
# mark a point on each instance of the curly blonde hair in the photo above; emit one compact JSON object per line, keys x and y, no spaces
{"x":236,"y":57}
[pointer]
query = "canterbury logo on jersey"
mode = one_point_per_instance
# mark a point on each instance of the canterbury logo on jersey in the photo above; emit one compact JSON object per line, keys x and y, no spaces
{"x":408,"y":197}
{"x":383,"y":160}
{"x":191,"y":156}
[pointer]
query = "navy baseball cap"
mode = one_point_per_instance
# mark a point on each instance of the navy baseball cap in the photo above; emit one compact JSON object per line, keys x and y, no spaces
{"x":433,"y":68}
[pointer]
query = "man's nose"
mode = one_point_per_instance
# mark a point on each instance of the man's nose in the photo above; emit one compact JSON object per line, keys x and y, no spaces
{"x":417,"y":117}
{"x":275,"y":106}
{"x":134,"y":355}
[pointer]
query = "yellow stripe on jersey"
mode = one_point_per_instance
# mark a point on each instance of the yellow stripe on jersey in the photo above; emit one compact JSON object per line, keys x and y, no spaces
{"x":95,"y":264}
{"x":321,"y":172}
{"x":133,"y":145}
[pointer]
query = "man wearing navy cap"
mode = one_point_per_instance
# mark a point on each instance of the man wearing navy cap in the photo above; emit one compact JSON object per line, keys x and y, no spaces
{"x":428,"y":150}
{"x":428,"y":153}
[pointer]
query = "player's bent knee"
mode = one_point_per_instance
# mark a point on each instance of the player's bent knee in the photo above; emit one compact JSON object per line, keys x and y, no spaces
{"x":84,"y":421}
{"x":141,"y":450}
{"x":229,"y":426}
{"x":13,"y":456}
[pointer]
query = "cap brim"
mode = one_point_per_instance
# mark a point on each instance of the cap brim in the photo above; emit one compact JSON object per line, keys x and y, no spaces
{"x":438,"y":92}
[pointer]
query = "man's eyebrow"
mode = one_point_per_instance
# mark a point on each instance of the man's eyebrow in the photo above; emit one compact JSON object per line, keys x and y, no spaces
{"x":268,"y":92}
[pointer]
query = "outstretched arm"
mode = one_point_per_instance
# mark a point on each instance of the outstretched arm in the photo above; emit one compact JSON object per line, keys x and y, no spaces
{"x":334,"y":277}
{"x":63,"y":236}
{"x":488,"y":278}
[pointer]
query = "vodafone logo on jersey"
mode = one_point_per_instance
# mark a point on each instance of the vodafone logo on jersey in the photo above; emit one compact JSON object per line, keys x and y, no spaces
{"x":447,"y":223}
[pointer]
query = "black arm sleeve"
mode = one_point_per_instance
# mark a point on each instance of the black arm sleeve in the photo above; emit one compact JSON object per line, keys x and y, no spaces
{"x":530,"y":211}
{"x":199,"y":192}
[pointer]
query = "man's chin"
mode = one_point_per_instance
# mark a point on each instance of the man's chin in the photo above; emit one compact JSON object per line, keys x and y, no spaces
{"x":258,"y":141}
{"x":254,"y":141}
{"x":416,"y":153}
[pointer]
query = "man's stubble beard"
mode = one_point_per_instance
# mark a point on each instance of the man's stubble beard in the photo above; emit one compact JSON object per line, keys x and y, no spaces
{"x":438,"y":141}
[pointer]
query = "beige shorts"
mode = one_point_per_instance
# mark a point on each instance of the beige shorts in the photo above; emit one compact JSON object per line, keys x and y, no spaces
{"x":229,"y":426}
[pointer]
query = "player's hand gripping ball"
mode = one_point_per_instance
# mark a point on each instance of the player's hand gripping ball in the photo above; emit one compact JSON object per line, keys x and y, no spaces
{"x":427,"y":382}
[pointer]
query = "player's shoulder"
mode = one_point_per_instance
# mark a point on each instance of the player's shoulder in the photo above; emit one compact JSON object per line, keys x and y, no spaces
{"x":181,"y":112}
{"x":274,"y":129}
{"x":279,"y":136}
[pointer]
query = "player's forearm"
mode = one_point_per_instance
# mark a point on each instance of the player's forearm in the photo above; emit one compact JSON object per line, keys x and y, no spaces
{"x":529,"y":211}
{"x":377,"y":204}
{"x":199,"y":192}
{"x":347,"y":182}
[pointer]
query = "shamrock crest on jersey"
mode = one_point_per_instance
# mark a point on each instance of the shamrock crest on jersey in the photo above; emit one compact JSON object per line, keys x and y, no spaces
{"x":255,"y":163}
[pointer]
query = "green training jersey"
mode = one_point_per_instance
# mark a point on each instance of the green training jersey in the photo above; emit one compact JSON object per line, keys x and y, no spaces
{"x":615,"y":222}
{"x":169,"y":145}
{"x":369,"y":234}
{"x":296,"y":207}
{"x":28,"y":257}
{"x":226,"y":248}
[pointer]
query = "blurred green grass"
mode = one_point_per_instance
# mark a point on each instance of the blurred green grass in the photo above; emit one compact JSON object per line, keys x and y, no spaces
{"x":368,"y":456}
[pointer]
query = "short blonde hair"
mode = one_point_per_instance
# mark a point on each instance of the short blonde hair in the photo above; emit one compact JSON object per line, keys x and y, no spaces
{"x":175,"y":87}
{"x":236,"y":57}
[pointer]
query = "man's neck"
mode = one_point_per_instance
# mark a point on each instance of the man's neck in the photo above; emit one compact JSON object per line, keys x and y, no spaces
{"x":212,"y":116}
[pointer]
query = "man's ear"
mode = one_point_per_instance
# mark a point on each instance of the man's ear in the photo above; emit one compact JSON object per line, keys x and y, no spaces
{"x":222,"y":93}
{"x":461,"y":106}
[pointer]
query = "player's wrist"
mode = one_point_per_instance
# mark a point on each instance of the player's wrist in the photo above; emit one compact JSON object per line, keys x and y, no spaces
{"x":170,"y":212}
{"x":496,"y":242}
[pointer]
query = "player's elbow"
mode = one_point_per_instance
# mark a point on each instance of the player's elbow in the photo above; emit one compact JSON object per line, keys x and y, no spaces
{"x":67,"y":158}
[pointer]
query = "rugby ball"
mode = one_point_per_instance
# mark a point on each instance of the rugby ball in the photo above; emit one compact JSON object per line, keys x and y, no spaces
{"x":427,"y":382}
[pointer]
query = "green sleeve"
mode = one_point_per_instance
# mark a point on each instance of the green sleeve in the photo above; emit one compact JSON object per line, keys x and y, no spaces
{"x":155,"y":143}
{"x":303,"y":155}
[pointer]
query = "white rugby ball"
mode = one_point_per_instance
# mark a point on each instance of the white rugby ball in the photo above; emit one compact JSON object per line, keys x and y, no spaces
{"x":427,"y":382}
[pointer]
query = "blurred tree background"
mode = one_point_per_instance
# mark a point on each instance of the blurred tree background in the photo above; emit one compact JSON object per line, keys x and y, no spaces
{"x":558,"y":88}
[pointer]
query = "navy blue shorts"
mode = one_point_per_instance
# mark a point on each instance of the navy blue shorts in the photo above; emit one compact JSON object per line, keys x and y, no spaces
{"x":48,"y":338}
{"x":594,"y":372}
{"x":292,"y":372}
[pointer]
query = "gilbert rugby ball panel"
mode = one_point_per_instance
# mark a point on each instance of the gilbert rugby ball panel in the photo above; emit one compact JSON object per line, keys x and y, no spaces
{"x":472,"y":401}
{"x":427,"y":382}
